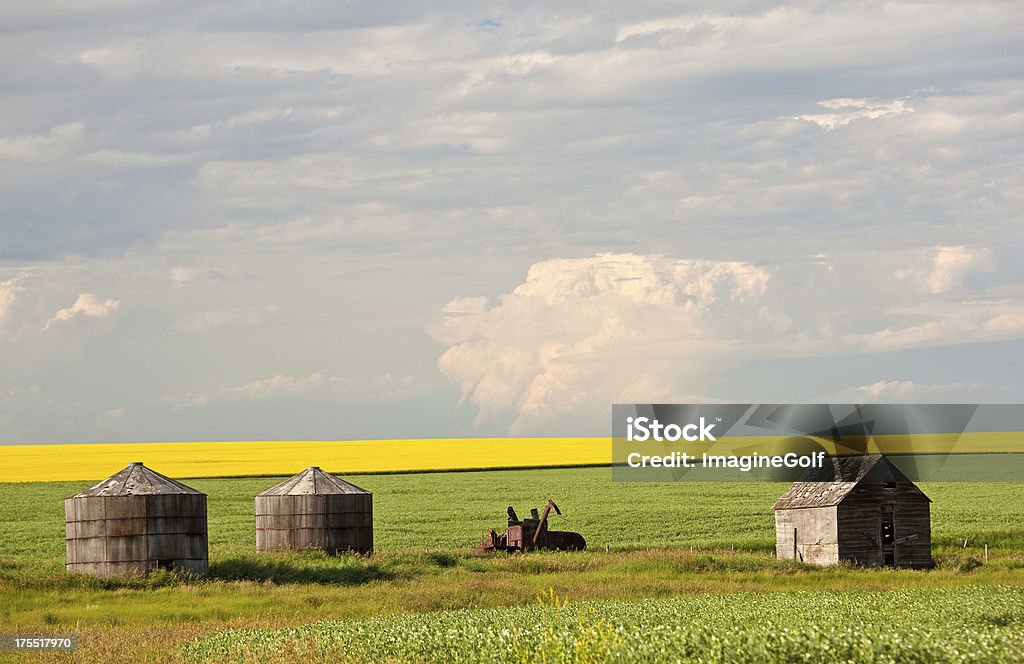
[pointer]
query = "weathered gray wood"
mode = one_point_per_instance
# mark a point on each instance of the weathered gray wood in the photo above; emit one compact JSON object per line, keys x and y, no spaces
{"x":314,"y":510}
{"x":823,"y":522}
{"x":135,"y":522}
{"x":815,"y":531}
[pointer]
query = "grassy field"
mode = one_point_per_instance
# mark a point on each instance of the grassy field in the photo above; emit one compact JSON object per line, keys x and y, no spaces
{"x":971,"y":624}
{"x":646,"y":541}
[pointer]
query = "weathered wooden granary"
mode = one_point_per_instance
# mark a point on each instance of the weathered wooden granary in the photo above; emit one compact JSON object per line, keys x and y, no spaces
{"x":136,"y":521}
{"x":860,"y":509}
{"x":315,"y":510}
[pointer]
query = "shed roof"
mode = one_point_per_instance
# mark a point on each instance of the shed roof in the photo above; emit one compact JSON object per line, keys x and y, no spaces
{"x":312,"y":481}
{"x":137,"y":480}
{"x":830,"y":484}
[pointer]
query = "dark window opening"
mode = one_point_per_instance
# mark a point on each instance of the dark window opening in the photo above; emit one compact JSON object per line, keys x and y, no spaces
{"x":888,"y":534}
{"x":165,"y":564}
{"x":890,"y":485}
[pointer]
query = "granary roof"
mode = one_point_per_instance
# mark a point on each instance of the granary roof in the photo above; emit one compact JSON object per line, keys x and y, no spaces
{"x":312,"y":481}
{"x":137,"y":480}
{"x":830,"y":484}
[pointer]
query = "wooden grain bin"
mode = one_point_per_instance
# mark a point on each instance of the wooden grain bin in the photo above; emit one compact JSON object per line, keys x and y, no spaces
{"x":314,"y":510}
{"x":860,"y":509}
{"x":136,"y":521}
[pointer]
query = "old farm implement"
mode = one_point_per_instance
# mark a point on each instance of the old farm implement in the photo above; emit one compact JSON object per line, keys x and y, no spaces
{"x":532,"y":533}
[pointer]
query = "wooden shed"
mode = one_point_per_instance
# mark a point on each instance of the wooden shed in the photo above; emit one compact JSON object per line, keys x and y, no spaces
{"x":860,"y":509}
{"x":136,"y":521}
{"x":315,"y":510}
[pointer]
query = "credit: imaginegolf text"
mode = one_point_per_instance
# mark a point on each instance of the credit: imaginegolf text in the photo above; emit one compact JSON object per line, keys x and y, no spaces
{"x":744,"y":463}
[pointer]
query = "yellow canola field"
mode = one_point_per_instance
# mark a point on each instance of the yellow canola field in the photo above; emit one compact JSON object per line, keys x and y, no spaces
{"x":44,"y":463}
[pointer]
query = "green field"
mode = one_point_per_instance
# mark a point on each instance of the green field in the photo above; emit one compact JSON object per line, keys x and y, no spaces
{"x":979,"y":624}
{"x":647,"y":541}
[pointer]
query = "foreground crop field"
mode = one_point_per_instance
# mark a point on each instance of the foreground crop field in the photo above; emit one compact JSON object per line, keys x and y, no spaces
{"x":646,"y":541}
{"x":979,"y":624}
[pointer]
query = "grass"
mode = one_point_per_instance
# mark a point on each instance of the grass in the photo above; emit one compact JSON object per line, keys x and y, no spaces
{"x":646,"y":541}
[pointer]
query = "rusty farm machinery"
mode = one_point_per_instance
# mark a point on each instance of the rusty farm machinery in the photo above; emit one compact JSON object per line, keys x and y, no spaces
{"x":532,"y":533}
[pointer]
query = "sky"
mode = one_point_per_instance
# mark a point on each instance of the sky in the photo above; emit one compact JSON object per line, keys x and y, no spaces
{"x":339,"y":220}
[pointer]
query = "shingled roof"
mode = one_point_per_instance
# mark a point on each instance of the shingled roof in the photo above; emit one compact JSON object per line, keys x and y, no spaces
{"x":830,"y":484}
{"x":137,"y":480}
{"x":312,"y":481}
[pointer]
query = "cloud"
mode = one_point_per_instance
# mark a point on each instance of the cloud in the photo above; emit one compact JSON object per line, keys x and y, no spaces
{"x":580,"y":334}
{"x":382,"y":387}
{"x":907,"y":391}
{"x":944,"y":268}
{"x":202,"y":321}
{"x":184,"y":275}
{"x":111,"y":416}
{"x":8,"y":292}
{"x":952,"y":264}
{"x":943,"y":323}
{"x":29,"y":392}
{"x":87,"y":305}
{"x":59,"y":142}
{"x":409,"y":109}
{"x":844,"y":111}
{"x":584,"y":332}
{"x":364,"y":166}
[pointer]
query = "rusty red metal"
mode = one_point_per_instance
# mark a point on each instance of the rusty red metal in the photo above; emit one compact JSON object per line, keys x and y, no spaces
{"x":532,"y":533}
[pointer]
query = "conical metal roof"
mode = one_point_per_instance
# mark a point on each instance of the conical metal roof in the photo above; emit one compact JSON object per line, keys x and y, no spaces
{"x":312,"y":481}
{"x":137,"y":480}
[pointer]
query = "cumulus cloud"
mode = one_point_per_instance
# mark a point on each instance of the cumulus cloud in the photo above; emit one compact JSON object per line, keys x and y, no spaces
{"x":580,"y":334}
{"x":584,"y":332}
{"x":382,"y":387}
{"x":944,"y":268}
{"x":952,"y":264}
{"x":88,"y":306}
{"x":8,"y":291}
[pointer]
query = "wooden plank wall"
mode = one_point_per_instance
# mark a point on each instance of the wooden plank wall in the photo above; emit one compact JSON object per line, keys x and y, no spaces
{"x":114,"y":535}
{"x":816,"y":535}
{"x":860,"y":517}
{"x":331,"y":522}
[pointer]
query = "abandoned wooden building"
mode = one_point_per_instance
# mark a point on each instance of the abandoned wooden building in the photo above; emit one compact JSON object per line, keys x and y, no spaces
{"x":860,"y":509}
